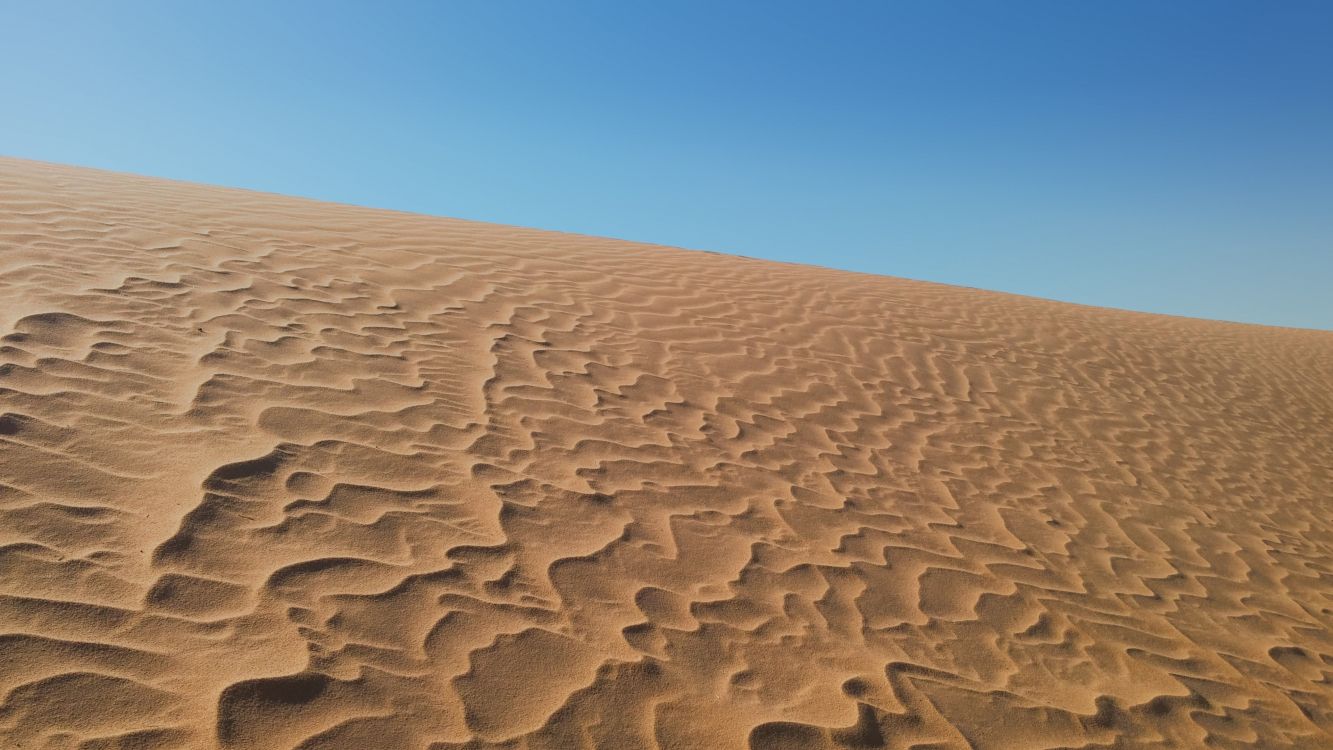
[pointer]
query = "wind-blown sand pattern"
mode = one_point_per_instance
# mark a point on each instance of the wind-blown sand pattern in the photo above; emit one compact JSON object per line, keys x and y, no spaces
{"x":284,"y":474}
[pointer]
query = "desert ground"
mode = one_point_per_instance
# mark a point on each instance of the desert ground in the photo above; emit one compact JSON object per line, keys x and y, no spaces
{"x":277,"y":473}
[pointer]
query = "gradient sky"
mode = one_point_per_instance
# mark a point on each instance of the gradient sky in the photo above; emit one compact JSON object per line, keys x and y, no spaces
{"x":1164,"y":156}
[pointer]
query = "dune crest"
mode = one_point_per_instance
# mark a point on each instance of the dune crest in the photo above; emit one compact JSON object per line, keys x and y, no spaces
{"x":284,"y":474}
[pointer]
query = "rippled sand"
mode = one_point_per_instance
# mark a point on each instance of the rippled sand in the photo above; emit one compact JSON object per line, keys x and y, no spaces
{"x":284,"y":474}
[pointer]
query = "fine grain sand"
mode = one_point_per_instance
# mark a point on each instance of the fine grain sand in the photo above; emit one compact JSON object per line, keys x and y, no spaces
{"x":277,"y":473}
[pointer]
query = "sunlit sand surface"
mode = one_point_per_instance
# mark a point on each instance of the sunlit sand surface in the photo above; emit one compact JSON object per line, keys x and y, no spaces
{"x":284,"y":474}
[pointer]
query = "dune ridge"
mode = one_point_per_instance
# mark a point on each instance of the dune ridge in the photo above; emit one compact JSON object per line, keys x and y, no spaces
{"x":277,"y":473}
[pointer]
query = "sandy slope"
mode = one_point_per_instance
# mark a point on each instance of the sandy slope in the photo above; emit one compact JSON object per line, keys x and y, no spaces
{"x":277,"y":473}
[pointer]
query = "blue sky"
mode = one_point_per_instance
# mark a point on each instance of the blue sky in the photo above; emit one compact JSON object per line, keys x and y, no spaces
{"x":1164,"y":156}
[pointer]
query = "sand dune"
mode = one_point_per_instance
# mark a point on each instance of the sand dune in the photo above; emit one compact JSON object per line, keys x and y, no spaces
{"x":283,"y":474}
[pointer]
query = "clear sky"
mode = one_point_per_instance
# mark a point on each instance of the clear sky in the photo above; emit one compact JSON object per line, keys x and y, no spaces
{"x":1170,"y":156}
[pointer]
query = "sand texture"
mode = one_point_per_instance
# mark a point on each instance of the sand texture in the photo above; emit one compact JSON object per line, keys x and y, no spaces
{"x":277,"y":473}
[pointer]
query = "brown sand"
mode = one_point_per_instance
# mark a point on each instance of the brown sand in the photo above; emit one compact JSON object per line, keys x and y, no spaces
{"x":284,"y":474}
